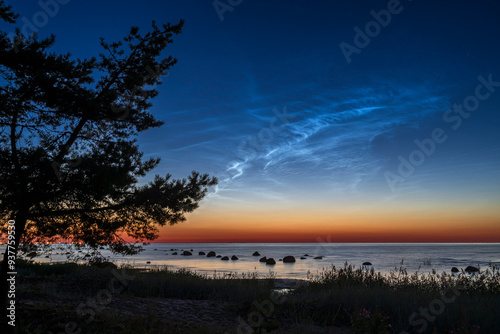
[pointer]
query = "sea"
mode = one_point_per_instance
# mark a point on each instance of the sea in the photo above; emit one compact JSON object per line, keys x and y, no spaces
{"x":419,"y":258}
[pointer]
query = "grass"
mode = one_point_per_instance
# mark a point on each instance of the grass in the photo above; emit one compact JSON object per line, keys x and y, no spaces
{"x":373,"y":303}
{"x":355,"y":299}
{"x":186,"y":284}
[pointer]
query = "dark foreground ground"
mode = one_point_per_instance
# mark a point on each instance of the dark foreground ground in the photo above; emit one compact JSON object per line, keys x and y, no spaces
{"x":71,"y":298}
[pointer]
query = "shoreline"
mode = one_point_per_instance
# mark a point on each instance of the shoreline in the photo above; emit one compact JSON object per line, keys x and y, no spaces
{"x":418,"y":258}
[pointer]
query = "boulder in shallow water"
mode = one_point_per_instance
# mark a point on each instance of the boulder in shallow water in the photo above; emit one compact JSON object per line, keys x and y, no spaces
{"x":288,"y":259}
{"x":471,"y":270}
{"x":234,"y":257}
{"x":256,"y":254}
{"x":186,"y":253}
{"x":201,"y":253}
{"x":174,"y":253}
{"x":211,"y":254}
{"x":270,"y":261}
{"x":455,"y":270}
{"x":218,"y":256}
{"x":264,"y":259}
{"x":318,"y":257}
{"x":303,"y":258}
{"x":367,"y":263}
{"x":225,"y":258}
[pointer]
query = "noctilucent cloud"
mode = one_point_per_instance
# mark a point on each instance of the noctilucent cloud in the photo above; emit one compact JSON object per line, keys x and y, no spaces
{"x":320,"y":118}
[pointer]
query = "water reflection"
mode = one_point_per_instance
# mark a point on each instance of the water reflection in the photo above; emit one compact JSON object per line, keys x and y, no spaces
{"x":422,"y":258}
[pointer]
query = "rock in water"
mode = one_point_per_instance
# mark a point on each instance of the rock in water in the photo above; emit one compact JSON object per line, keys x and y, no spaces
{"x":211,"y":254}
{"x":256,"y":254}
{"x":174,"y":253}
{"x":218,"y":256}
{"x":234,"y":257}
{"x":367,"y":263}
{"x":186,"y":253}
{"x":201,"y":253}
{"x":264,"y":259}
{"x":318,"y":257}
{"x":455,"y":270}
{"x":270,"y":261}
{"x":225,"y":258}
{"x":288,"y":259}
{"x":471,"y":270}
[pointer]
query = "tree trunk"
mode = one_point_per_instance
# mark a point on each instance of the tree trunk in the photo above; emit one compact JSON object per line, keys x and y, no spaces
{"x":20,"y":225}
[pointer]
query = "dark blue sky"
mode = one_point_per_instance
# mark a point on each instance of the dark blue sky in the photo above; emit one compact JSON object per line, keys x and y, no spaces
{"x":265,"y":99}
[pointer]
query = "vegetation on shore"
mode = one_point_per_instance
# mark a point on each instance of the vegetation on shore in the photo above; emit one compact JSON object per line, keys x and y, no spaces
{"x":65,"y":298}
{"x":374,"y":303}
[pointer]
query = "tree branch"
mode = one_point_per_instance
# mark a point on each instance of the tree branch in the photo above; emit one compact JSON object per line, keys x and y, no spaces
{"x":80,"y":125}
{"x":55,"y":213}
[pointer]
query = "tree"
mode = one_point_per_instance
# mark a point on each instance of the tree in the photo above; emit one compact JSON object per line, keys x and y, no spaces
{"x":69,"y":161}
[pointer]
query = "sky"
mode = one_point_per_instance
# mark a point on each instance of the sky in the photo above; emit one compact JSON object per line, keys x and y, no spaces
{"x":324,"y":121}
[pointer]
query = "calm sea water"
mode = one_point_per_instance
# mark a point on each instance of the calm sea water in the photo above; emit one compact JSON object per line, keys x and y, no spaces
{"x":384,"y":257}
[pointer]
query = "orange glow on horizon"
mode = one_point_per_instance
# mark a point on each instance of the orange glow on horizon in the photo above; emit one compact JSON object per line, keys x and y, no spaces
{"x":404,"y":226}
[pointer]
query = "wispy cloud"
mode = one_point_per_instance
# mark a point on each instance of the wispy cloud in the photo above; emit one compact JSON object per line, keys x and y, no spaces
{"x":334,"y":140}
